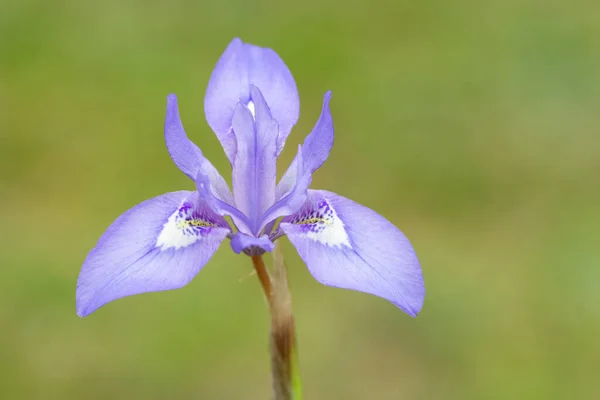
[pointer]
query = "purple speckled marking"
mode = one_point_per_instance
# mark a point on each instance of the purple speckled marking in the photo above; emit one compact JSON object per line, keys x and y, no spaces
{"x":314,"y":220}
{"x":194,"y":222}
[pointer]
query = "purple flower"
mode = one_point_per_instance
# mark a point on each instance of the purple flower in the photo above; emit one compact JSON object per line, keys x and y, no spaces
{"x":251,"y":104}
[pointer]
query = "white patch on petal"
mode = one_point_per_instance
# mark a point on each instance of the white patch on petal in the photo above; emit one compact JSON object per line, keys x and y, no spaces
{"x":324,"y":226}
{"x":250,"y":106}
{"x":182,"y":229}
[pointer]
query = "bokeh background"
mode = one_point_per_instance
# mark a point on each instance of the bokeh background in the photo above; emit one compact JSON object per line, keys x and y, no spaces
{"x":472,"y":125}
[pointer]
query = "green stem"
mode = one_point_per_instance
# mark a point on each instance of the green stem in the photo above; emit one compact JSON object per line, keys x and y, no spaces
{"x":284,"y":352}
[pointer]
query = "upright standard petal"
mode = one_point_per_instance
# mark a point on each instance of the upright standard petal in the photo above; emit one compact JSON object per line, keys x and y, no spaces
{"x":160,"y":244}
{"x":315,"y":149}
{"x":349,"y":246}
{"x":291,"y":191}
{"x":254,"y":167}
{"x":187,"y":156}
{"x":240,"y":66}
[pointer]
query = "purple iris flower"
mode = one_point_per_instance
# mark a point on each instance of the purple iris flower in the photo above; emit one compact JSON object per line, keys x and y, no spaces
{"x":251,"y":104}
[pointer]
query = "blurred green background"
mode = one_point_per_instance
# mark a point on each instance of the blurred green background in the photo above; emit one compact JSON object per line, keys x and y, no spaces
{"x":474,"y":126}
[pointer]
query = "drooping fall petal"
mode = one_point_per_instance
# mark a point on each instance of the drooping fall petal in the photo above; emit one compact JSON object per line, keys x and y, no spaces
{"x":347,"y":245}
{"x":160,"y":244}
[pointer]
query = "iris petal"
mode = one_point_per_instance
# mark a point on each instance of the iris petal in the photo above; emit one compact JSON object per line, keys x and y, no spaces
{"x":240,"y":66}
{"x":187,"y":156}
{"x":241,"y":242}
{"x":160,"y":244}
{"x":347,"y":245}
{"x":292,"y":200}
{"x":315,"y":149}
{"x":255,"y":162}
{"x":219,"y":206}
